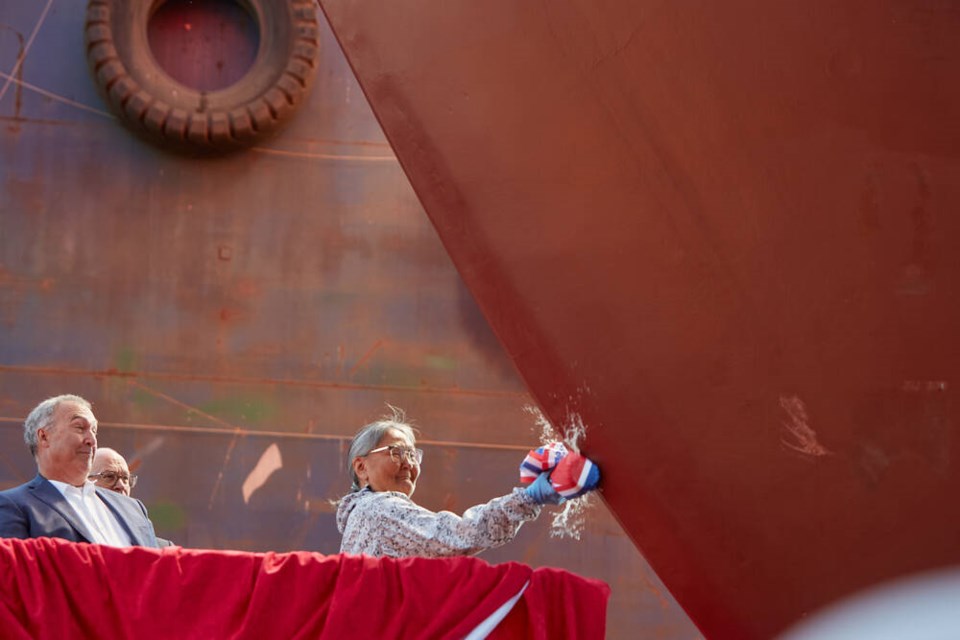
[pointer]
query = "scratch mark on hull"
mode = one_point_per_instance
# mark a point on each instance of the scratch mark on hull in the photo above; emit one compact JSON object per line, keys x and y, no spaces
{"x":805,"y":438}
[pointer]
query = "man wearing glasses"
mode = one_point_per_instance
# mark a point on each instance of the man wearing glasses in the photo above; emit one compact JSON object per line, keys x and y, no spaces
{"x":110,"y":471}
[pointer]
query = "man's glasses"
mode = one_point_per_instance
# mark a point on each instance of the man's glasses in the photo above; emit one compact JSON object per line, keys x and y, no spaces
{"x":399,"y":454}
{"x":111,"y":478}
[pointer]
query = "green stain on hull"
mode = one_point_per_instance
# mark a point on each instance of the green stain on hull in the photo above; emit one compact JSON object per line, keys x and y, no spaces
{"x":245,"y":409}
{"x":142,"y":398}
{"x":125,"y":360}
{"x":167,"y":515}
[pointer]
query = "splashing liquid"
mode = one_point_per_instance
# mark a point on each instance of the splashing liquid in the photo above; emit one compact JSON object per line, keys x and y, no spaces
{"x":571,"y":519}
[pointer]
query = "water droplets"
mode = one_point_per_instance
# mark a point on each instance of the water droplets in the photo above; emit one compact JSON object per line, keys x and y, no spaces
{"x":570,"y":520}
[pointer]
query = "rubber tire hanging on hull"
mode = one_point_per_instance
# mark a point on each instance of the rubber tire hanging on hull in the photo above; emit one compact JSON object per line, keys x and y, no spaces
{"x":155,"y":105}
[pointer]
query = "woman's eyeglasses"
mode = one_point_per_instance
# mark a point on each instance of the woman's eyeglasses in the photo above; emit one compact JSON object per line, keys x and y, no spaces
{"x":399,"y":454}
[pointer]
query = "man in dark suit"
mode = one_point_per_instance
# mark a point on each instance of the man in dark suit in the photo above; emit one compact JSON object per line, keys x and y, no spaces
{"x":61,"y":502}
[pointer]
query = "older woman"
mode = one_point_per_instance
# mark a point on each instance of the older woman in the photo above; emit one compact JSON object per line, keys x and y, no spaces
{"x":378,"y":518}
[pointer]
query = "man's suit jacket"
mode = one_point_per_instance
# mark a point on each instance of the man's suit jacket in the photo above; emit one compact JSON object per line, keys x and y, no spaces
{"x":37,"y":509}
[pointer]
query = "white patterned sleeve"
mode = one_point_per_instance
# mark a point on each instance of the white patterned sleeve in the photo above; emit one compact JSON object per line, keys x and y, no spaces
{"x":390,"y":524}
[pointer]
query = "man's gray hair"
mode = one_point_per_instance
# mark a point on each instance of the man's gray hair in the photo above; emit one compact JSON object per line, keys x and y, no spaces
{"x":41,"y":416}
{"x":369,"y":435}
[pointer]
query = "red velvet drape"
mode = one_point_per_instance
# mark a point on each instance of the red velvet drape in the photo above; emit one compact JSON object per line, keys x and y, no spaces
{"x":53,"y":589}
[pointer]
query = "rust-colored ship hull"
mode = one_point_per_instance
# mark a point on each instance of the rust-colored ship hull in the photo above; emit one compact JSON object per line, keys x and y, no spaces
{"x":724,"y":235}
{"x":236,"y":319}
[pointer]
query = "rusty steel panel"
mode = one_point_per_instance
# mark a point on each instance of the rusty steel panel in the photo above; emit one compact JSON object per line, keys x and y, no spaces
{"x":725,"y":236}
{"x":223,"y":313}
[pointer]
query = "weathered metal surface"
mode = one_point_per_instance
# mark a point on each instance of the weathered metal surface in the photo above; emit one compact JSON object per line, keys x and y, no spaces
{"x":221,"y":312}
{"x":723,"y":234}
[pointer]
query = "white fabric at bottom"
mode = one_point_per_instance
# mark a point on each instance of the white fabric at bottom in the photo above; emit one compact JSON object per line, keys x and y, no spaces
{"x":483,"y":629}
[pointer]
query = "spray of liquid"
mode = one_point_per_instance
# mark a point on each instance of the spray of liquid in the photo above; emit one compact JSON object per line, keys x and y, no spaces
{"x":570,"y":520}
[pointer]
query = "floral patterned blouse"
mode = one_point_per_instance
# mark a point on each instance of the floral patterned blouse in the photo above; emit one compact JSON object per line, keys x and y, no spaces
{"x":388,"y":523}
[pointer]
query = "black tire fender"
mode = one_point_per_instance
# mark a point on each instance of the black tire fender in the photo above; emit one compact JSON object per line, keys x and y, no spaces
{"x":155,"y":105}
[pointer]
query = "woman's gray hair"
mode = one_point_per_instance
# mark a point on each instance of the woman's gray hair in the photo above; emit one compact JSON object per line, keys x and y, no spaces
{"x":41,"y":416}
{"x":369,"y":435}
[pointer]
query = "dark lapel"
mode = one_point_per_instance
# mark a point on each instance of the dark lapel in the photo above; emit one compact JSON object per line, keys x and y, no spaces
{"x":43,"y":490}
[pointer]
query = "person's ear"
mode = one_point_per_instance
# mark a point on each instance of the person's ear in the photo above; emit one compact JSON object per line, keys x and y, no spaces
{"x":360,"y":469}
{"x":42,"y":436}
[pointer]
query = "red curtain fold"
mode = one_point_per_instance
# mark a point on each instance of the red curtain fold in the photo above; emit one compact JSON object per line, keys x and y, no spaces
{"x":52,"y":589}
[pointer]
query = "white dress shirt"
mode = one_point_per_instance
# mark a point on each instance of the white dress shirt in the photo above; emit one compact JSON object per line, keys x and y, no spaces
{"x":94,"y":514}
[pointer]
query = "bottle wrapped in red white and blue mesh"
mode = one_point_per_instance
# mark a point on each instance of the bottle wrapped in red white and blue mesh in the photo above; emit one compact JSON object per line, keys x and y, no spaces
{"x":574,"y":475}
{"x":541,"y":459}
{"x":571,"y":474}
